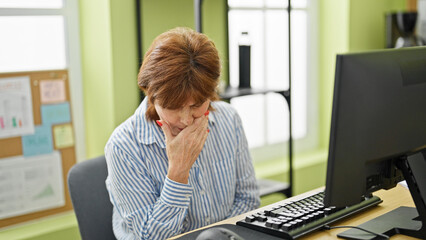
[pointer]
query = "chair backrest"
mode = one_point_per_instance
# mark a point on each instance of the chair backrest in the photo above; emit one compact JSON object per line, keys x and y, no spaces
{"x":86,"y":183}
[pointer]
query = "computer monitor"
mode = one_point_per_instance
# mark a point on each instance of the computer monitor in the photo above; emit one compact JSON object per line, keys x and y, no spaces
{"x":378,"y":134}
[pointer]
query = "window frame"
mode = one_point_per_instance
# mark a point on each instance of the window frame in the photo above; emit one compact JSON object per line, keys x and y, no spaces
{"x":69,"y":11}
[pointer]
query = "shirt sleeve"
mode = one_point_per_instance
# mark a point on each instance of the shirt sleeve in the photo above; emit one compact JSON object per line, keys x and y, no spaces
{"x":145,"y":212}
{"x":247,"y":191}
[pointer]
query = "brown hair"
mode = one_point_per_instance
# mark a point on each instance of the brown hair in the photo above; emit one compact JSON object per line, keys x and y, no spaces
{"x":180,"y":64}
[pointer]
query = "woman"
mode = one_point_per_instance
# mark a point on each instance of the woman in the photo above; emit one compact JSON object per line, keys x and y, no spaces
{"x":181,"y":161}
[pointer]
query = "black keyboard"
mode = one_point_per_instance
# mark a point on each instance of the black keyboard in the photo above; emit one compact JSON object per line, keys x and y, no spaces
{"x":293,"y":219}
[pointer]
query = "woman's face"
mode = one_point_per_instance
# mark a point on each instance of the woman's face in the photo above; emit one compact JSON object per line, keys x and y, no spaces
{"x":180,"y":118}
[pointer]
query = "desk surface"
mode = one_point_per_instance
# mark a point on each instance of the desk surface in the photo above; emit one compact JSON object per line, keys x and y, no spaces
{"x":393,"y":198}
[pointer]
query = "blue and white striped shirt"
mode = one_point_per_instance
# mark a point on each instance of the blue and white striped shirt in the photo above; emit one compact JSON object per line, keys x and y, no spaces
{"x":148,"y":205}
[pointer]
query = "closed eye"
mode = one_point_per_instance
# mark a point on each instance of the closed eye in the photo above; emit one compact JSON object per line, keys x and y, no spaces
{"x":196,"y":105}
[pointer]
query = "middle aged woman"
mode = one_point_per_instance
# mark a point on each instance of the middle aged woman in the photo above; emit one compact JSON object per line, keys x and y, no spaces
{"x":182,"y":160}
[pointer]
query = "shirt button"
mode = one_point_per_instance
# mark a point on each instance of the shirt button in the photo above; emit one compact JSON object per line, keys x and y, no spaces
{"x":207,"y":220}
{"x":202,"y":192}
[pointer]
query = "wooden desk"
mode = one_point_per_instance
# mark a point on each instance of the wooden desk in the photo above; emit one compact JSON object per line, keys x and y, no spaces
{"x":393,"y":198}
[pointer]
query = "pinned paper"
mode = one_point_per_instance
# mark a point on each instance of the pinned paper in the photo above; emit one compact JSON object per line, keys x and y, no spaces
{"x":38,"y":143}
{"x":52,"y":91}
{"x":31,"y":184}
{"x":16,"y":108}
{"x":55,"y":113}
{"x":63,"y":136}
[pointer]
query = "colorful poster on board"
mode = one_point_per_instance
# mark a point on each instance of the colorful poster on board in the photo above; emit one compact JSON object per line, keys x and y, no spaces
{"x":16,"y":109}
{"x":63,"y":136}
{"x":52,"y":91}
{"x":31,"y":184}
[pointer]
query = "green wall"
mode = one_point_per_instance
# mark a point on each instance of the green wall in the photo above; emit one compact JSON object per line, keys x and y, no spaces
{"x":334,"y":35}
{"x":109,"y":68}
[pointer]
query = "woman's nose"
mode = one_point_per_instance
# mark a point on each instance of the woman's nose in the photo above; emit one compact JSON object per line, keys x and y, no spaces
{"x":187,"y":118}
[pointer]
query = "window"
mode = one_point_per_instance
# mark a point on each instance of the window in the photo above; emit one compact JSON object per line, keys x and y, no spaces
{"x":32,"y":43}
{"x":44,"y":35}
{"x":265,"y":117}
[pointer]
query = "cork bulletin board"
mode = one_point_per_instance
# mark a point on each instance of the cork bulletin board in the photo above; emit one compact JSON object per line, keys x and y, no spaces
{"x":36,"y":145}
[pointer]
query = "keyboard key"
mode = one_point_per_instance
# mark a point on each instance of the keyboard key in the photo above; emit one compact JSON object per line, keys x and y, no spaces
{"x":327,"y":211}
{"x":306,"y":219}
{"x":316,"y":215}
{"x":275,"y":212}
{"x":284,"y":214}
{"x":250,"y":218}
{"x":261,"y":218}
{"x":297,"y":215}
{"x":277,"y":225}
{"x":293,"y":223}
{"x":269,"y":223}
{"x":286,"y":227}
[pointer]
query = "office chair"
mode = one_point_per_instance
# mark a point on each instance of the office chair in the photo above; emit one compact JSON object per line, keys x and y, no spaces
{"x":86,"y":183}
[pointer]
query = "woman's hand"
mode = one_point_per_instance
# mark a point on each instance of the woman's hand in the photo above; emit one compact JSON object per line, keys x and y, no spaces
{"x":184,"y":148}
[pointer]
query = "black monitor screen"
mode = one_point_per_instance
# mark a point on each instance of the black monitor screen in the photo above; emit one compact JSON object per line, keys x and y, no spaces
{"x":378,"y":122}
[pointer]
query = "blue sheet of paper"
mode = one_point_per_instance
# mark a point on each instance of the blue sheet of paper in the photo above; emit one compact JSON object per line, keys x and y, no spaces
{"x":55,"y":113}
{"x":38,"y":143}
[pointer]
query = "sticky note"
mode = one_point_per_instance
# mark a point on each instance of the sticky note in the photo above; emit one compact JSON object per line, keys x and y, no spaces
{"x":63,"y":136}
{"x":52,"y":91}
{"x":38,"y":143}
{"x":55,"y":113}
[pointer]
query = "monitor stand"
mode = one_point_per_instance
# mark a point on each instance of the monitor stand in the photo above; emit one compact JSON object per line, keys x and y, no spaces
{"x":403,"y":220}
